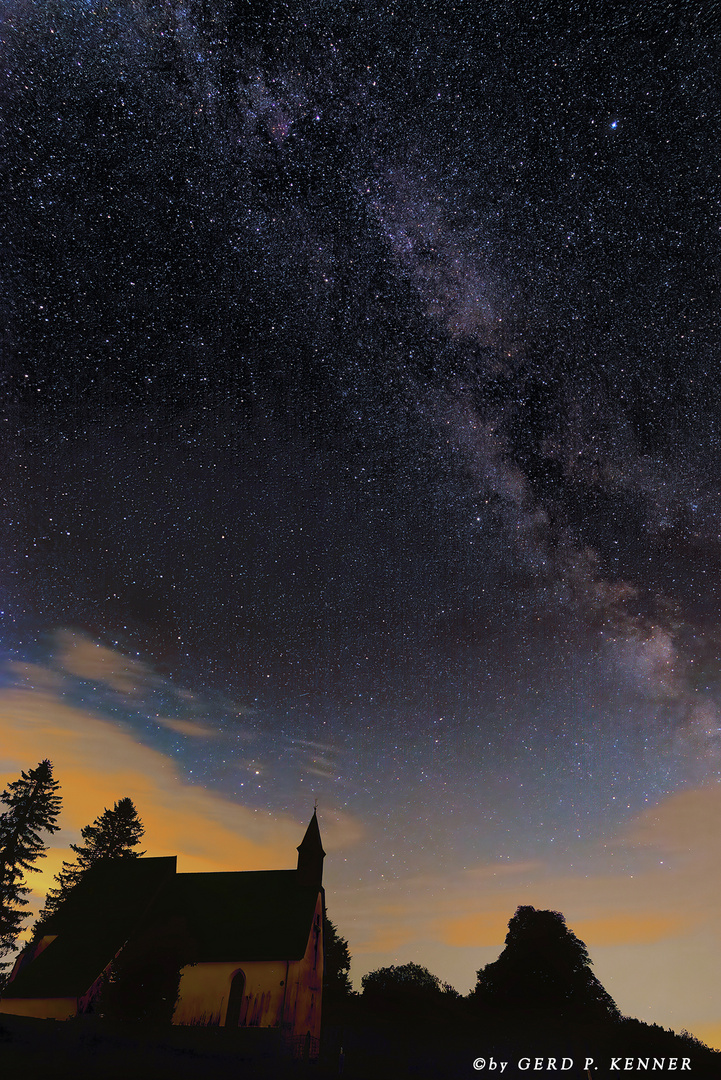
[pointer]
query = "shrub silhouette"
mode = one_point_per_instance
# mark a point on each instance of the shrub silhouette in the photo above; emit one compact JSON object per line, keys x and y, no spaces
{"x":405,"y":985}
{"x":544,"y":966}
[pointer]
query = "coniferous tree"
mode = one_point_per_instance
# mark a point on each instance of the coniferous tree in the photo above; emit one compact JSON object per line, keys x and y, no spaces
{"x":33,"y":806}
{"x":112,"y":835}
{"x":336,"y":964}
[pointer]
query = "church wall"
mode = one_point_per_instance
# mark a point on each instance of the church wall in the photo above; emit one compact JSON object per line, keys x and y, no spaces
{"x":42,"y":1008}
{"x":204,"y":991}
{"x":276,"y":993}
{"x":305,"y":983}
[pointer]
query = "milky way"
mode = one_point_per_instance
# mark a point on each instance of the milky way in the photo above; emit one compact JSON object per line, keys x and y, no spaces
{"x":363,"y":388}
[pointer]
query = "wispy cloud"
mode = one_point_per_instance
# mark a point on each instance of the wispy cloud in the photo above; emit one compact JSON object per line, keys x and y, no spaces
{"x":98,"y":762}
{"x":78,"y":655}
{"x":192,"y":728}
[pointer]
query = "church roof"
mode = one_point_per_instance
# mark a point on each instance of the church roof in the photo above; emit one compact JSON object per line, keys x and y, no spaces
{"x":91,"y":926}
{"x":243,"y":916}
{"x":260,"y":915}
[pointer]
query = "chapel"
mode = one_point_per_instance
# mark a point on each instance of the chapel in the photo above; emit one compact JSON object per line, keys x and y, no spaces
{"x":248,"y":946}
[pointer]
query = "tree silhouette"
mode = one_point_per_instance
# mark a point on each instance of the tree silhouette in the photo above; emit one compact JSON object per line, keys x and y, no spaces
{"x":336,"y":964}
{"x":111,"y":836}
{"x":544,"y":966}
{"x":143,"y":982}
{"x":33,"y":806}
{"x":405,"y":983}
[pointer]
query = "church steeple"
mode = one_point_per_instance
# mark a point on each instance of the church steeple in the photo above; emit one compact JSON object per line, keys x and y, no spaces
{"x":311,"y":855}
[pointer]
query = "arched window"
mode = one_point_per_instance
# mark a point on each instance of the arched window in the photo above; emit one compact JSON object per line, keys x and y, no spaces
{"x":235,"y":999}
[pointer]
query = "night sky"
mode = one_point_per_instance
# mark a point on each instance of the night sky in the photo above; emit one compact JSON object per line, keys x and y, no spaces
{"x":362,"y":442}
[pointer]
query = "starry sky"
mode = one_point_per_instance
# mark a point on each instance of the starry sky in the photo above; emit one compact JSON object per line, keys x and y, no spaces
{"x":362,"y":441}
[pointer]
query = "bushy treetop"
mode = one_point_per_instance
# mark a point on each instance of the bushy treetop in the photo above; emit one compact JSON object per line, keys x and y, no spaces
{"x":543,"y":966}
{"x":404,"y":981}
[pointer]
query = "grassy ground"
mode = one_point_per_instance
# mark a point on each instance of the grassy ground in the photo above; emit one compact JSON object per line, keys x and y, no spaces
{"x":374,"y":1048}
{"x":32,"y":1049}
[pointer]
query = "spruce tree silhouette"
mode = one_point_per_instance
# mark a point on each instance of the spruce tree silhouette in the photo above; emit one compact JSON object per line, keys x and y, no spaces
{"x":112,"y":835}
{"x":33,"y":806}
{"x":544,"y":966}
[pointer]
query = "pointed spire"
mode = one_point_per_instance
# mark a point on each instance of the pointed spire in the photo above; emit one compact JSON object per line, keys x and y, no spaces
{"x":311,"y":855}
